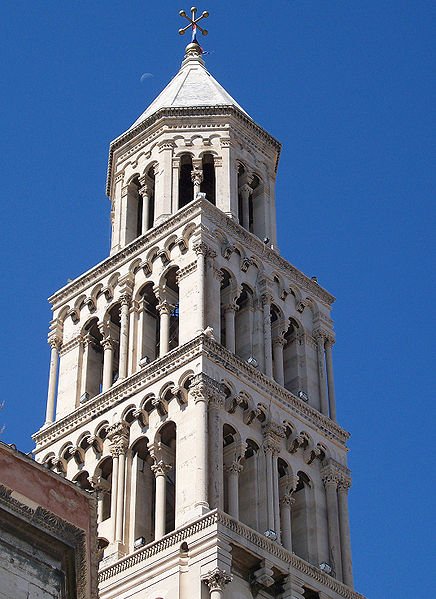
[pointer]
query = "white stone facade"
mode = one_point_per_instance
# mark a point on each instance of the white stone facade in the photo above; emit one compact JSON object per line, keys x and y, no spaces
{"x":191,"y":379}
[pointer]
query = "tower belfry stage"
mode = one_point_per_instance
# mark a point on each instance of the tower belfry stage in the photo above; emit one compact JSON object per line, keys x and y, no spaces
{"x":191,"y":378}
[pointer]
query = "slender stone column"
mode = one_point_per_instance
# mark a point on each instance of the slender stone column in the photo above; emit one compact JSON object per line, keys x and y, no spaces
{"x":160,"y":470}
{"x":321,"y":373}
{"x":145,"y":192}
{"x":176,"y":177}
{"x":276,"y":496}
{"x":216,"y":580}
{"x":52,"y":380}
{"x":330,"y":480}
{"x":196,"y":176}
{"x":101,"y":488}
{"x":245,"y":191}
{"x":108,"y":358}
{"x":133,"y":345}
{"x":233,"y":471}
{"x":344,"y":524}
{"x":286,"y":504}
{"x":114,"y":493}
{"x":269,"y":490}
{"x":266,"y":303}
{"x":201,"y":252}
{"x":118,"y":434}
{"x":199,"y":392}
{"x":229,"y":323}
{"x":330,"y":379}
{"x":165,"y":310}
{"x":279,"y":374}
{"x":216,"y":403}
{"x":120,"y":497}
{"x":124,"y":335}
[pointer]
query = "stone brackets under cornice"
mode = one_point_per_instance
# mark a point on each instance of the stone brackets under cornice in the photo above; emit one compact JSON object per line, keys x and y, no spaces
{"x":194,"y":209}
{"x":177,"y":358}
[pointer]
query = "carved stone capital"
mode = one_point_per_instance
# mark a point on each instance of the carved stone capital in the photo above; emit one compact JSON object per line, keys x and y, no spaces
{"x":234,"y":468}
{"x":201,"y":248}
{"x":54,"y":342}
{"x":273,"y":433}
{"x":287,"y":500}
{"x":160,"y":468}
{"x":330,"y":476}
{"x":197,"y":176}
{"x":165,"y":308}
{"x":118,"y":435}
{"x":204,"y":388}
{"x":217,"y":579}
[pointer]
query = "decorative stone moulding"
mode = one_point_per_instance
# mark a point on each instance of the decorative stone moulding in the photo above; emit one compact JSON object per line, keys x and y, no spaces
{"x":199,"y":208}
{"x":222,"y":524}
{"x":174,"y":360}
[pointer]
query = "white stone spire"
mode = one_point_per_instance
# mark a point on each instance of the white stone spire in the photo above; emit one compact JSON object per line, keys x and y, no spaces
{"x":192,"y":86}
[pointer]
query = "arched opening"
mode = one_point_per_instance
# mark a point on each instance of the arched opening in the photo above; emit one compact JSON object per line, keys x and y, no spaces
{"x":105,"y":498}
{"x":92,"y":361}
{"x":290,"y":359}
{"x":134,"y":210}
{"x":232,"y":467}
{"x":148,"y":326}
{"x":300,"y":516}
{"x":172,"y":297}
{"x":167,"y":440}
{"x":113,"y":332}
{"x":244,"y":324}
{"x":248,"y":486}
{"x":149,"y":201}
{"x":228,"y":308}
{"x":186,"y":186}
{"x":208,"y":184}
{"x":257,"y":208}
{"x":142,"y":494}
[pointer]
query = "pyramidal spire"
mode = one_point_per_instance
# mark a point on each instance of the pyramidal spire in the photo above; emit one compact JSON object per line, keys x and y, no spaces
{"x":193,"y":85}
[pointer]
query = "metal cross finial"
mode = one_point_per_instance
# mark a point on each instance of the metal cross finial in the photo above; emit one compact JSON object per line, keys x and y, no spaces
{"x":193,"y":22}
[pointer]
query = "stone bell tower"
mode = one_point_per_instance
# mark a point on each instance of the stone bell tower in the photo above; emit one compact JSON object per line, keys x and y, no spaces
{"x":191,"y":380}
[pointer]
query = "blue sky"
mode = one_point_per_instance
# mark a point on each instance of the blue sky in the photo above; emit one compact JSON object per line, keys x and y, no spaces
{"x":348,"y":87}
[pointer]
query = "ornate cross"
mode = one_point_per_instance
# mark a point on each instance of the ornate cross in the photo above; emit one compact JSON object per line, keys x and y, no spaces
{"x":193,"y":22}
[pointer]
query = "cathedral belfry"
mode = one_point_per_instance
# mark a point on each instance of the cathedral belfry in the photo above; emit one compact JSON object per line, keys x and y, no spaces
{"x":191,"y":378}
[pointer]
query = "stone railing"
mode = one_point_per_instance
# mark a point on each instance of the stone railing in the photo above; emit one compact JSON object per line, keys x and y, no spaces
{"x":220,"y":523}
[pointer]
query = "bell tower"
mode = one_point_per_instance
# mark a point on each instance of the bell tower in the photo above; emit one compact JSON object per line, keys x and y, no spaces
{"x":191,"y":379}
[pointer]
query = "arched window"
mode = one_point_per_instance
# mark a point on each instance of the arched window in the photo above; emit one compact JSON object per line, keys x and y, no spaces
{"x":300,"y":513}
{"x":208,"y":184}
{"x":244,"y":324}
{"x":248,"y":486}
{"x":186,"y":186}
{"x":92,"y":361}
{"x":290,"y":359}
{"x":167,"y":440}
{"x":148,"y":326}
{"x":105,"y":501}
{"x":113,"y":332}
{"x":172,"y":297}
{"x":142,"y":492}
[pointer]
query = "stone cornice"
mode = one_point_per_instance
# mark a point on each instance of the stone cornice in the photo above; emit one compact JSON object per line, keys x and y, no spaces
{"x":220,"y":522}
{"x":191,"y":111}
{"x":253,"y":243}
{"x":171,"y":362}
{"x":220,"y":355}
{"x":191,"y":211}
{"x":118,"y":393}
{"x":126,"y":254}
